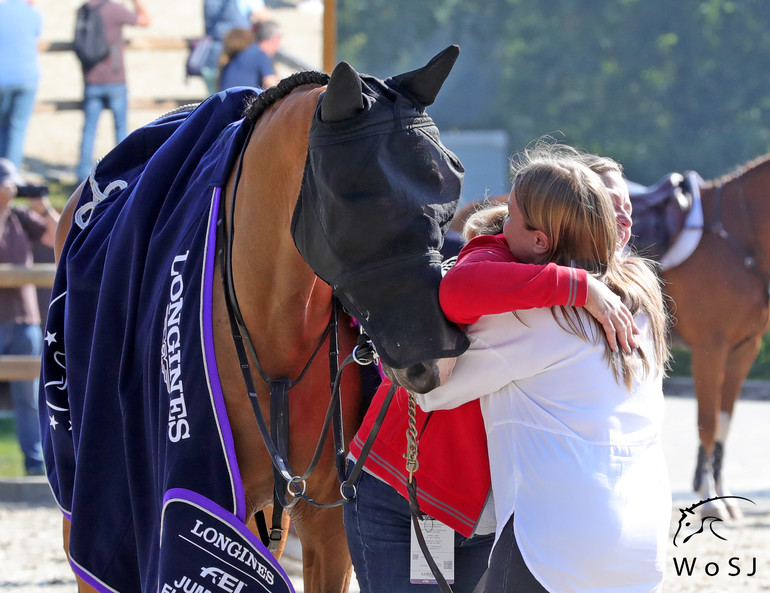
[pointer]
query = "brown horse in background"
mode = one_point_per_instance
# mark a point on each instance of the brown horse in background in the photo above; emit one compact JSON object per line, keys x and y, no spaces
{"x":720,"y":306}
{"x":286,"y":307}
{"x":719,"y":301}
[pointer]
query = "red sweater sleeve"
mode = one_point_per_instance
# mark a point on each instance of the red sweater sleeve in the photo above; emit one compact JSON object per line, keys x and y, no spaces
{"x":487,"y":280}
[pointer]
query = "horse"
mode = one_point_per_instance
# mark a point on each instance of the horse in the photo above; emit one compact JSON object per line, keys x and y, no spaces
{"x":181,"y":377}
{"x":718,"y":297}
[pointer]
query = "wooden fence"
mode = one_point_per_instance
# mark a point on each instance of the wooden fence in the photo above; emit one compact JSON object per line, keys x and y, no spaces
{"x":19,"y":368}
{"x":22,"y":368}
{"x":146,"y":44}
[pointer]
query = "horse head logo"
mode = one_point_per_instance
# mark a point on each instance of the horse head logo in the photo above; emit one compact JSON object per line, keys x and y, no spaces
{"x":692,"y":523}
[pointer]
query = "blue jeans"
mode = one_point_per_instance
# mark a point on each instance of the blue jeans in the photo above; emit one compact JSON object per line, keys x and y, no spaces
{"x":25,"y":339}
{"x":16,"y":105}
{"x":508,"y":573}
{"x":113,"y":96}
{"x":378,"y":526}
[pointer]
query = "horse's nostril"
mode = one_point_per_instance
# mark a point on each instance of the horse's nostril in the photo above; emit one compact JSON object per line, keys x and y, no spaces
{"x":417,"y":372}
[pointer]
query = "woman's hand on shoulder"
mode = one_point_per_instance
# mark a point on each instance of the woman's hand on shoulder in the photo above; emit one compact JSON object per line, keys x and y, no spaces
{"x":612,"y":314}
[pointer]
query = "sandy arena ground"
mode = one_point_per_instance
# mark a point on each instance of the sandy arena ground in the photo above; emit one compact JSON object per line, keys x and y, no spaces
{"x":31,"y":559}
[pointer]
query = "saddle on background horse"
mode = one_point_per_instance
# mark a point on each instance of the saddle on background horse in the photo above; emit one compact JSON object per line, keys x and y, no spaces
{"x":667,"y":218}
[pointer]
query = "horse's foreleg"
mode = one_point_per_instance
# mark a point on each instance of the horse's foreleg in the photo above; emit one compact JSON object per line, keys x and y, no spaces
{"x":738,"y":366}
{"x":708,"y":373}
{"x":326,"y":564}
{"x":708,"y":365}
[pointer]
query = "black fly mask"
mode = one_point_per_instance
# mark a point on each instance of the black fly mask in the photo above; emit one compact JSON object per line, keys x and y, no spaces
{"x":378,"y":194}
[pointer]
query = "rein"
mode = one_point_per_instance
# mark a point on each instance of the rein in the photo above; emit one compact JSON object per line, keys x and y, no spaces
{"x":290,"y":487}
{"x":412,"y":465}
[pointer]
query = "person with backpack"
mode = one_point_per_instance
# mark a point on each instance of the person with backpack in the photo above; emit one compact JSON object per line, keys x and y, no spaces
{"x":99,"y":47}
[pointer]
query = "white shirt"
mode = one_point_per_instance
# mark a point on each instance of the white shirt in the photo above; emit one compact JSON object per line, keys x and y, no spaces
{"x":576,"y":454}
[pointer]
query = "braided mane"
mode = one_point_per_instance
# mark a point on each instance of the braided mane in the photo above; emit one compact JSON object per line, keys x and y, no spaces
{"x":257,"y":106}
{"x":740,"y":170}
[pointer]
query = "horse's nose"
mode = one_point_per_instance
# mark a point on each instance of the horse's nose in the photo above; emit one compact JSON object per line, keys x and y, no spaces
{"x":423,"y":377}
{"x":419,"y":378}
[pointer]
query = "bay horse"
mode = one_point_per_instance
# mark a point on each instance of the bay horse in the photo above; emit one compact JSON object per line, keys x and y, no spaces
{"x":719,"y":301}
{"x":720,"y":305}
{"x":185,"y":323}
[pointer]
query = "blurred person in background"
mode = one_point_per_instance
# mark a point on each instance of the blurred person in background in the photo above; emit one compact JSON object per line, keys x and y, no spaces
{"x":105,"y":83}
{"x":20,"y":334}
{"x":221,"y":16}
{"x":247,"y":58}
{"x":20,"y":25}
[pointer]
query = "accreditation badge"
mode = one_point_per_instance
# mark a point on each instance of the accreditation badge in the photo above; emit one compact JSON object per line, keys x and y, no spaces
{"x":441,"y":544}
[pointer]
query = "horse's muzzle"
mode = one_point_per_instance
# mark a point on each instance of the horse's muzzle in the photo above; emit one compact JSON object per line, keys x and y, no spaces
{"x":418,"y":378}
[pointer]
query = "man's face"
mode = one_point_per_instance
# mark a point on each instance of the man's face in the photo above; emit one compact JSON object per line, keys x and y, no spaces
{"x":8,"y":192}
{"x":618,"y":190}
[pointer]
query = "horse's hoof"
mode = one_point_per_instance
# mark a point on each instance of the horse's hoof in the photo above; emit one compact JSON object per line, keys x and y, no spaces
{"x":707,"y":491}
{"x":736,"y":514}
{"x":715,"y":508}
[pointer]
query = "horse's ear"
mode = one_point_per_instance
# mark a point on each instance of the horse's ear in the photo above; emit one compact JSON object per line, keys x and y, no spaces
{"x":424,"y":83}
{"x":343,"y":98}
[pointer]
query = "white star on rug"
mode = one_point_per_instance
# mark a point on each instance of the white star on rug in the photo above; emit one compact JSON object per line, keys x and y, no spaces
{"x":50,"y":337}
{"x":53,"y":422}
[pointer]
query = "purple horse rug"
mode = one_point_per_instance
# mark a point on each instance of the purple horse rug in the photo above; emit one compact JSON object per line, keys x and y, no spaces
{"x":138,"y":448}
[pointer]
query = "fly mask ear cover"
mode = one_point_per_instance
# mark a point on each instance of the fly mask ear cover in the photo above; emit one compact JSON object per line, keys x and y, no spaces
{"x":378,"y":194}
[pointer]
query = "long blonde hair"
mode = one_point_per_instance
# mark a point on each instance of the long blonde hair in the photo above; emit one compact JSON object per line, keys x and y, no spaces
{"x":489,"y":216}
{"x":488,"y":219}
{"x":561,"y":196}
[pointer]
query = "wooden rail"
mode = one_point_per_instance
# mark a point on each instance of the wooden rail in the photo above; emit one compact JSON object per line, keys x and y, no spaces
{"x":139,"y":43}
{"x":23,"y":368}
{"x":40,"y":275}
{"x":19,"y":368}
{"x":160,"y":103}
{"x":155,"y":103}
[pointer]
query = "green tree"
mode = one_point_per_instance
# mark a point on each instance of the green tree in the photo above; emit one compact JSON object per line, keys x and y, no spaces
{"x":658,"y":85}
{"x":661,"y":86}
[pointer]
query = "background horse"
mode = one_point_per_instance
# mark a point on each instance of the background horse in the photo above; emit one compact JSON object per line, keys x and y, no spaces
{"x":376,"y":187}
{"x":720,"y":305}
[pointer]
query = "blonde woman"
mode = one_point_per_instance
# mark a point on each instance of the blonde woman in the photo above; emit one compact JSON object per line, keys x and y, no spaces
{"x":247,"y":57}
{"x":573,"y":427}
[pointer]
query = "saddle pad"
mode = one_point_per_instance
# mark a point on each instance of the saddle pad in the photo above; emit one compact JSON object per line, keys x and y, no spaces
{"x":131,"y":404}
{"x":689,"y":239}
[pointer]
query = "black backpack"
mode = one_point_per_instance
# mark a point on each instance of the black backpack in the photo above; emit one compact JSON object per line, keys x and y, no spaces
{"x":90,"y":43}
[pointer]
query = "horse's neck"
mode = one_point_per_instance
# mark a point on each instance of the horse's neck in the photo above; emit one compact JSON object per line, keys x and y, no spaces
{"x":285,"y":306}
{"x":741,"y":204}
